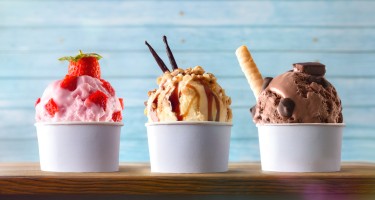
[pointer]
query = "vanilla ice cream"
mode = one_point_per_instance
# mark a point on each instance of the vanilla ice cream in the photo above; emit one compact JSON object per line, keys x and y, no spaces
{"x":188,"y":95}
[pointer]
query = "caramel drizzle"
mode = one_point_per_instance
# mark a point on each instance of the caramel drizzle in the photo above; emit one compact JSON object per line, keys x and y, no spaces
{"x":174,"y":99}
{"x":210,"y":96}
{"x":191,"y":102}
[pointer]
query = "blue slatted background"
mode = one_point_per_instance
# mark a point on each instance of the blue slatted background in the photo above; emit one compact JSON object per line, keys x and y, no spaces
{"x":33,"y":34}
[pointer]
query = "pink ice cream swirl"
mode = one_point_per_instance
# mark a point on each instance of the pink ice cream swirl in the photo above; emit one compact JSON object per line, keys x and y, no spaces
{"x":77,"y":105}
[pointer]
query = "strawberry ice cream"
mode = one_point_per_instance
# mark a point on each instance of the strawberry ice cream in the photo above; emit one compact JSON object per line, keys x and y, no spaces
{"x":80,"y":96}
{"x":89,"y":101}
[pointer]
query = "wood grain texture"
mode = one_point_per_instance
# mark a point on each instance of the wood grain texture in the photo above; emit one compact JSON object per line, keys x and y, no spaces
{"x":129,"y":64}
{"x":217,"y":39}
{"x":136,"y":179}
{"x":273,"y":13}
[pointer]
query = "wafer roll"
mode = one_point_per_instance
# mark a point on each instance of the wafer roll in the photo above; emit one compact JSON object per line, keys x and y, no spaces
{"x":249,"y":68}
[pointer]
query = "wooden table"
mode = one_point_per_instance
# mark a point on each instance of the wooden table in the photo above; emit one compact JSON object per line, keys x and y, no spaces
{"x":135,"y":181}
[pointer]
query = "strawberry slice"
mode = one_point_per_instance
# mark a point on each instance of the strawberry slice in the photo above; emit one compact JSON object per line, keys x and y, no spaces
{"x":51,"y":107}
{"x":37,"y":101}
{"x":108,"y":87}
{"x":83,"y":64}
{"x":98,"y":98}
{"x":121,"y":102}
{"x":116,"y":116}
{"x":69,"y":82}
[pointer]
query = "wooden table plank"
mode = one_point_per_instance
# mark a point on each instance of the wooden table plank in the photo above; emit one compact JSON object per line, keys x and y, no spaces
{"x":136,"y":179}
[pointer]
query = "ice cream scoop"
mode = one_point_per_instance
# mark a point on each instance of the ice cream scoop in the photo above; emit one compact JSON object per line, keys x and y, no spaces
{"x":186,"y":95}
{"x":81,"y":96}
{"x":301,"y":95}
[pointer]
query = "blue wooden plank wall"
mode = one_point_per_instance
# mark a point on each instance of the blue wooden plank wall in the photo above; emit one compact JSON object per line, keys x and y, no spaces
{"x":33,"y":34}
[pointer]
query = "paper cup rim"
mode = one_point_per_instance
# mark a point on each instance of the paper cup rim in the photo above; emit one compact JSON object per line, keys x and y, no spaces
{"x":208,"y":123}
{"x":305,"y":124}
{"x":79,"y":123}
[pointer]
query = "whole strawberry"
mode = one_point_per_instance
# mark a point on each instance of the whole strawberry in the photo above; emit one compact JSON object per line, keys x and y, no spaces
{"x":83,"y":64}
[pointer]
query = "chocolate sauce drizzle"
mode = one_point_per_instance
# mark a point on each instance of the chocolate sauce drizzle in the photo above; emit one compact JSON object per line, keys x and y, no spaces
{"x":211,"y":97}
{"x":175,"y":103}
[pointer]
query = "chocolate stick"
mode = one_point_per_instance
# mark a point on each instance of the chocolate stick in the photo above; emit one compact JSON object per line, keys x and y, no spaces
{"x":170,"y":54}
{"x":160,"y":62}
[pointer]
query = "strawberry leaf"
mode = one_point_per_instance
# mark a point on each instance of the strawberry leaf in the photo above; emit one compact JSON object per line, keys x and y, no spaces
{"x":79,"y":56}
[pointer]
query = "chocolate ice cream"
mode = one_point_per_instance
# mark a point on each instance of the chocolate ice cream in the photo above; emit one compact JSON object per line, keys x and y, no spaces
{"x":301,"y":95}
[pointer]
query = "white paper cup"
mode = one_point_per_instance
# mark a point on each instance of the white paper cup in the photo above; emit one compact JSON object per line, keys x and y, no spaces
{"x":300,"y":147}
{"x":189,"y":147}
{"x":79,"y":146}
